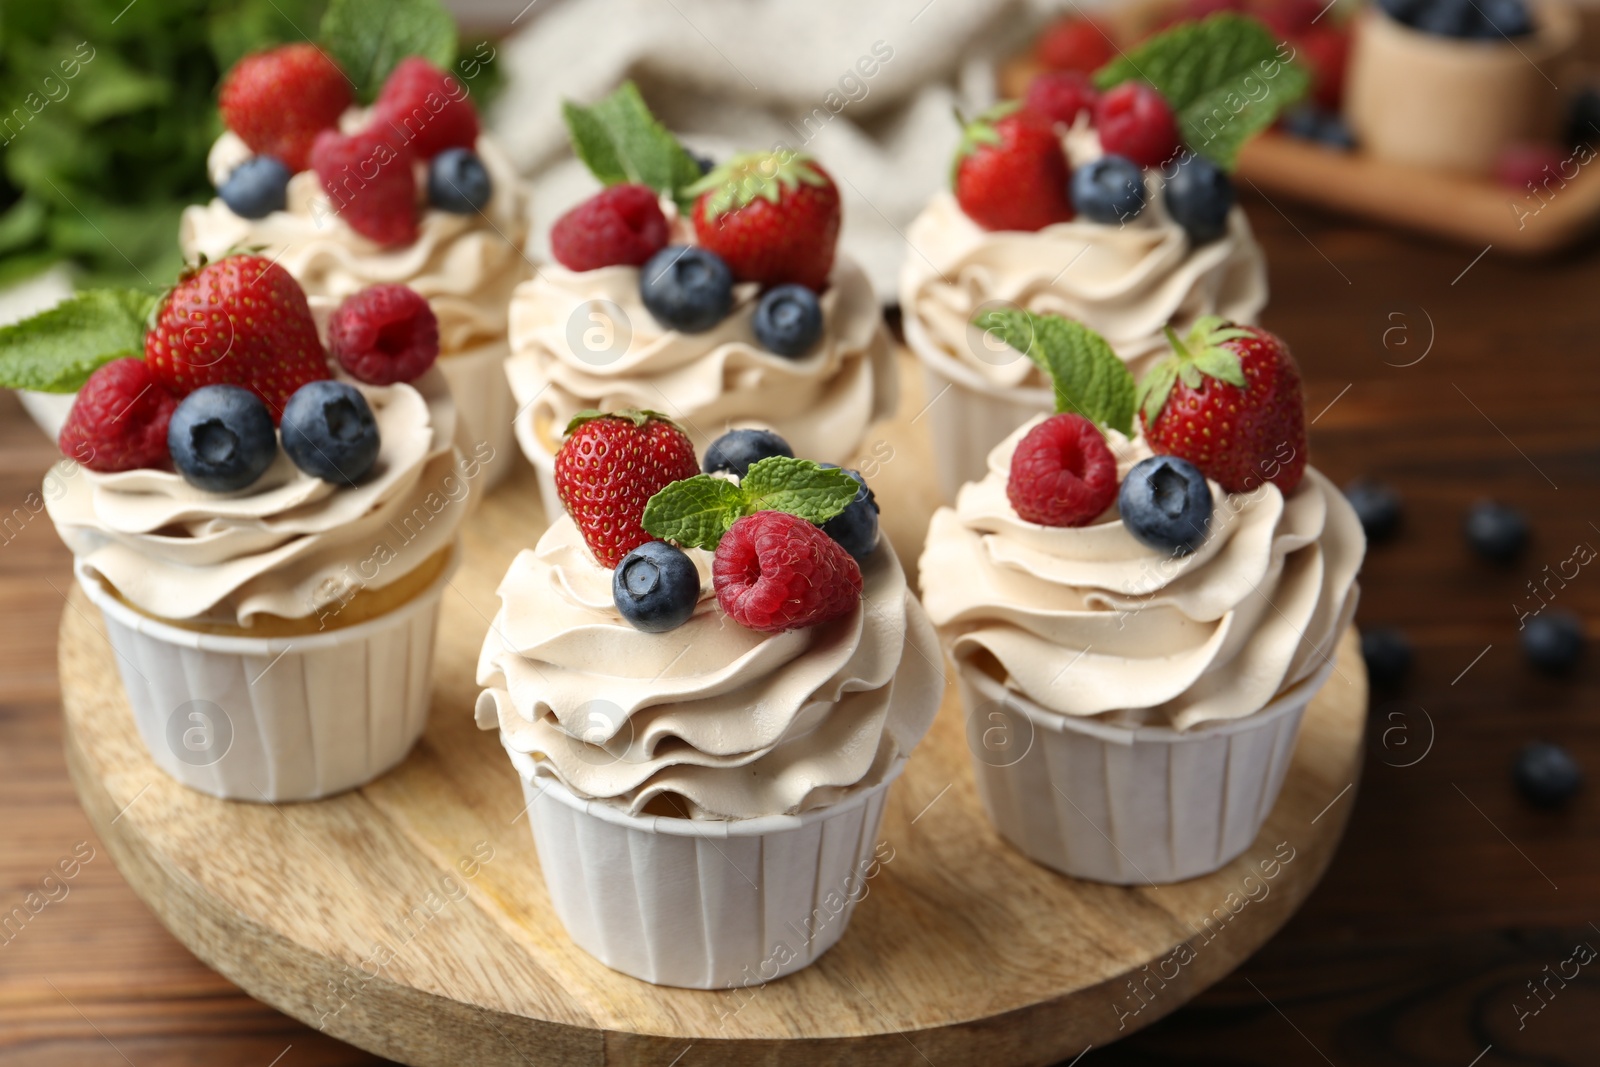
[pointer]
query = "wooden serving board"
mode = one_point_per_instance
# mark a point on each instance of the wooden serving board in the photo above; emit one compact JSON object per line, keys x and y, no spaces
{"x":410,"y":917}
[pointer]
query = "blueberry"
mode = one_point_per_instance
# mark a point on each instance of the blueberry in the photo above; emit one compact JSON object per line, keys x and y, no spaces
{"x":736,"y":450}
{"x":256,"y":188}
{"x":1447,"y":18}
{"x":788,"y":320}
{"x":1583,"y":117}
{"x":458,"y":182}
{"x":655,"y":587}
{"x":1503,"y":18}
{"x":1405,"y":11}
{"x":1108,"y":190}
{"x":1387,"y":652}
{"x":1553,"y":641}
{"x":1546,"y":774}
{"x":329,"y":432}
{"x":221,"y":438}
{"x":1377,"y":506}
{"x":856,"y":527}
{"x":705,"y":163}
{"x":1304,"y":122}
{"x":1199,"y":196}
{"x":687,"y":288}
{"x":1496,"y":532}
{"x":1335,"y":134}
{"x":1166,"y":504}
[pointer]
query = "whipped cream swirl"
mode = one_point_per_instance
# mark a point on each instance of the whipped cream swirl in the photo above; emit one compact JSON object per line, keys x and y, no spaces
{"x":710,"y":720}
{"x":1090,"y":621}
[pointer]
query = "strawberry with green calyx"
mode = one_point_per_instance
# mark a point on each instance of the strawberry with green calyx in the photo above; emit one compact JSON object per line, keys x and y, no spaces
{"x":1010,"y":171}
{"x":609,"y":467}
{"x":773,"y":217}
{"x":1229,"y":401}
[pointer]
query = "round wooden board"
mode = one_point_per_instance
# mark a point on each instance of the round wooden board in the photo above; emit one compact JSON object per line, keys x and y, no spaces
{"x":410,"y":917}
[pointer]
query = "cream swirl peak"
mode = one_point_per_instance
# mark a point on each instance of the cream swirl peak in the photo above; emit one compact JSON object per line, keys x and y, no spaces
{"x":710,"y":720}
{"x":1089,"y":621}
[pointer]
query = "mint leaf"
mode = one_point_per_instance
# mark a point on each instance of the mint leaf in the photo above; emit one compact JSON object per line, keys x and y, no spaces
{"x":694,"y":512}
{"x":1089,"y":378}
{"x":368,"y":41}
{"x":591,"y":142}
{"x":798,"y":486}
{"x":55,"y":351}
{"x":619,"y":140}
{"x":1224,"y":76}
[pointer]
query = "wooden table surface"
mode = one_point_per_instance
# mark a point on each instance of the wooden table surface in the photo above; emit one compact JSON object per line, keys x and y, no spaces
{"x":1451,"y":899}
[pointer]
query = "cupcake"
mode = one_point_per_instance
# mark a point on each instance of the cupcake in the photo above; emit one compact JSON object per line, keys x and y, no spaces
{"x":716,"y":299}
{"x":407,"y":192}
{"x":267,"y":543}
{"x":1147,"y":612}
{"x":705,"y":734}
{"x":1108,"y":202}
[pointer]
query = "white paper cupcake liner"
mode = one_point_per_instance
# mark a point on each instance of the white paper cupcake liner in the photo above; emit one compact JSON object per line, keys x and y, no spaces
{"x":703,"y":904}
{"x":484,"y":403}
{"x":1127,"y":806}
{"x":277,"y":718}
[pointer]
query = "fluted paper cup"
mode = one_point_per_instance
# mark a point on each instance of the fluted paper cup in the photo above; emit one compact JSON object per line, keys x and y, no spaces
{"x":698,"y":903}
{"x":484,"y":404}
{"x":1128,"y":806}
{"x":274,"y":719}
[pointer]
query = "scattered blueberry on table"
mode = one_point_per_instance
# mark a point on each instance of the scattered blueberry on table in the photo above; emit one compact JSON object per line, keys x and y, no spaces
{"x":1546,"y":774}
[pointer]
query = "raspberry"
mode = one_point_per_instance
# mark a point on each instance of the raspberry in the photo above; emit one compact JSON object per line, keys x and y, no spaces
{"x":619,"y":226}
{"x":426,"y":109}
{"x":608,"y":469}
{"x":1074,"y":44}
{"x":370,"y":183}
{"x":1061,"y":95}
{"x":119,"y":420}
{"x":385,"y":334}
{"x":1135,"y":121}
{"x":1062,"y":473}
{"x":279,"y":100}
{"x":774,"y":572}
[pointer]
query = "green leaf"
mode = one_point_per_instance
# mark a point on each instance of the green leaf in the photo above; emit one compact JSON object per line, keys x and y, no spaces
{"x":619,"y":140}
{"x":592,"y":144}
{"x":637,"y":416}
{"x":109,"y":87}
{"x":21,"y":224}
{"x":368,"y":41}
{"x":55,"y":351}
{"x":1225,"y":77}
{"x":694,"y":512}
{"x":798,"y":486}
{"x":1089,"y":377}
{"x":1155,"y":387}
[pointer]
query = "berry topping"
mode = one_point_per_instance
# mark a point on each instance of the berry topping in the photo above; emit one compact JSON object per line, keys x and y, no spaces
{"x":458,"y":182}
{"x":1485,"y":19}
{"x":384,"y":334}
{"x":617,"y":227}
{"x":737,"y":450}
{"x":774,"y":572}
{"x":1496,"y":531}
{"x":256,"y":188}
{"x":119,"y":420}
{"x":686,"y":288}
{"x":425,"y":109}
{"x":1199,"y":196}
{"x":1166,"y":504}
{"x":1228,"y":400}
{"x":788,"y":320}
{"x":1530,"y":167}
{"x":1061,"y":95}
{"x":856,"y":527}
{"x":1076,"y":44}
{"x":1326,"y":50}
{"x":607,"y":470}
{"x":1062,"y":473}
{"x":242,"y":321}
{"x":772,"y":216}
{"x":221,"y":438}
{"x":370,"y":184}
{"x":279,"y":100}
{"x":1553,"y":640}
{"x":1311,"y":123}
{"x":1109,"y":190}
{"x":1011,"y":172}
{"x":1388,"y":655}
{"x":1546,"y":774}
{"x":329,"y":432}
{"x":656,"y":587}
{"x":1377,"y":506}
{"x":1135,"y":120}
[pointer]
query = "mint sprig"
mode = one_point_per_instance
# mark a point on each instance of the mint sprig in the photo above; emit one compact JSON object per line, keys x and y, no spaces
{"x":55,"y":351}
{"x":1089,"y":378}
{"x":369,"y":41}
{"x":619,"y":140}
{"x":1224,"y":77}
{"x":696,"y":512}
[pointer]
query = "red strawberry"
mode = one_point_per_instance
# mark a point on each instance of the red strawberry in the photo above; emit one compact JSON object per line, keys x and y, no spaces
{"x":1074,"y":44}
{"x":1062,"y":95}
{"x":774,"y":572}
{"x":609,"y":467}
{"x":1062,"y":473}
{"x":1326,"y":50}
{"x":279,"y":100}
{"x":619,"y":226}
{"x":772,"y":217}
{"x":239,"y":321}
{"x":1011,"y":172}
{"x":1228,"y":400}
{"x":370,"y":183}
{"x":425,"y":109}
{"x":119,"y":420}
{"x":1135,"y":121}
{"x":385,"y":334}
